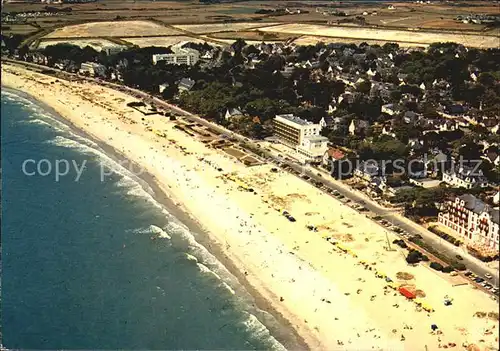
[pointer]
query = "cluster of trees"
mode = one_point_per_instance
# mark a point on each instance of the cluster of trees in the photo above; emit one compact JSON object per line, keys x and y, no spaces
{"x":452,"y":63}
{"x":415,"y":256}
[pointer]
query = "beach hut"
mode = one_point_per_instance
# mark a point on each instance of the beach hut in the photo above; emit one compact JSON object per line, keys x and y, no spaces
{"x":406,"y":292}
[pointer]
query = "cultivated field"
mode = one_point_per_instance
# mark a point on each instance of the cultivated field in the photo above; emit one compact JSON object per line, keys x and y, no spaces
{"x":222,"y":27}
{"x":312,"y":40}
{"x":18,"y":29}
{"x":112,"y":29}
{"x":96,"y":44}
{"x":359,"y":33}
{"x":161,"y":41}
{"x":252,"y":35}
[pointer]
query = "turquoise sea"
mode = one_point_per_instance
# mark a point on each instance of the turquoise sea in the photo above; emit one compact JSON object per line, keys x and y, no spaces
{"x":93,"y":264}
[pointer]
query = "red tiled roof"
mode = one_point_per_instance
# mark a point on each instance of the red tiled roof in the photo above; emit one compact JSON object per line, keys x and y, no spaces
{"x":335,"y":153}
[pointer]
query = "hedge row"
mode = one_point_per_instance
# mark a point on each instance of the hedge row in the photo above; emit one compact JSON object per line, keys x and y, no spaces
{"x":454,"y":264}
{"x":445,"y":236}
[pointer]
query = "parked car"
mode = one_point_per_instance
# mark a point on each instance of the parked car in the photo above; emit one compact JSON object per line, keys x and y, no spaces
{"x":479,"y":280}
{"x":468,"y":274}
{"x":489,"y":276}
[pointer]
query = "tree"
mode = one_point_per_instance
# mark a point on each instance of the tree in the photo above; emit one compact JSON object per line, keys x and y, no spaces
{"x":437,"y":266}
{"x":364,"y":87}
{"x":238,"y":45}
{"x":413,"y":257}
{"x":486,"y":79}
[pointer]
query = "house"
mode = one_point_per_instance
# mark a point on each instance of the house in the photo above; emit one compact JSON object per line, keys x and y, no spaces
{"x":465,"y":177}
{"x":411,"y":117}
{"x":113,"y":50}
{"x":446,"y":125}
{"x":348,"y":97}
{"x":185,"y":84}
{"x":93,"y":69}
{"x":492,"y":154}
{"x":5,"y":49}
{"x":161,"y":87}
{"x":388,"y":130}
{"x":367,"y":171}
{"x":415,"y":144}
{"x":358,"y":127}
{"x":455,"y":109}
{"x":39,"y":58}
{"x":392,"y":109}
{"x":332,"y":155}
{"x":496,"y":198}
{"x":288,"y":71}
{"x":472,"y":220}
{"x":326,"y":122}
{"x":232,"y":113}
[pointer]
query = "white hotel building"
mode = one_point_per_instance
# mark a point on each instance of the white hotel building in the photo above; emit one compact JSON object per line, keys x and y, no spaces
{"x":301,"y":135}
{"x":180,"y":56}
{"x":472,"y":220}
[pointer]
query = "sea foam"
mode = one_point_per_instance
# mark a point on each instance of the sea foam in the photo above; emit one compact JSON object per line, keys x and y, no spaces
{"x":205,"y":261}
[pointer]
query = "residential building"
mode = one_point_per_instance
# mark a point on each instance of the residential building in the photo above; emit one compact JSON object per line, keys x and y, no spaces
{"x":358,"y":126}
{"x":162,"y":87}
{"x":496,"y":198}
{"x":465,"y":177}
{"x":368,"y":171}
{"x":93,"y":69}
{"x":185,"y":84}
{"x":392,"y":109}
{"x":332,"y":155}
{"x":232,"y":113}
{"x":473,"y":220}
{"x":179,"y":56}
{"x":301,"y":135}
{"x":113,"y":50}
{"x":411,"y":117}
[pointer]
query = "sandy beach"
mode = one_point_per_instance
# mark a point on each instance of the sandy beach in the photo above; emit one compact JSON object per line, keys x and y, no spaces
{"x":330,"y":294}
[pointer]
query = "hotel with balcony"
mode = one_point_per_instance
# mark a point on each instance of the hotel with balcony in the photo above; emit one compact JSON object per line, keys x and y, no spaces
{"x":301,"y":135}
{"x":472,"y":220}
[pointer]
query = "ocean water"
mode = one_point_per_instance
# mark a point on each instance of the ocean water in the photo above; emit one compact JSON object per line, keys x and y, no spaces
{"x":93,"y":264}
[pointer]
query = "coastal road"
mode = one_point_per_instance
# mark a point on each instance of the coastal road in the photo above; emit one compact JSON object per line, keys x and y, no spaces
{"x":474,"y":265}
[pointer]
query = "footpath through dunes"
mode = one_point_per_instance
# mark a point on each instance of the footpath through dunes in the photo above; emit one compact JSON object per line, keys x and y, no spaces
{"x":423,"y":37}
{"x":336,"y":295}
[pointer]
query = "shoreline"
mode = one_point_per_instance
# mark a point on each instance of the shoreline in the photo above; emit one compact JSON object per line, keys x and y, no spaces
{"x":330,"y":290}
{"x":292,"y":341}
